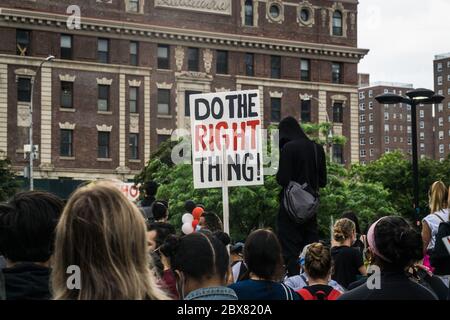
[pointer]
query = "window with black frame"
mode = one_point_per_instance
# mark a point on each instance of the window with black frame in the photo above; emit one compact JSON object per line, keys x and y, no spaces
{"x":222,"y":62}
{"x":275,"y":67}
{"x":103,"y":98}
{"x":193,"y":59}
{"x":305,"y":66}
{"x":23,"y":42}
{"x":66,"y":47}
{"x":134,"y":49}
{"x":66,"y":143}
{"x":103,"y":50}
{"x":336,"y":72}
{"x":338,"y":153}
{"x":337,"y":23}
{"x":248,"y":10}
{"x":305,"y":111}
{"x":134,"y":94}
{"x":249,"y":64}
{"x":134,"y":146}
{"x":338,"y":112}
{"x":163,"y":56}
{"x":24,"y":89}
{"x":275,"y":109}
{"x":163,"y":102}
{"x":66,"y":94}
{"x":103,"y":145}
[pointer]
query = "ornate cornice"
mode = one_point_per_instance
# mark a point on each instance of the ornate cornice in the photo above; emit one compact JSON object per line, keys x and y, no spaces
{"x":118,"y":29}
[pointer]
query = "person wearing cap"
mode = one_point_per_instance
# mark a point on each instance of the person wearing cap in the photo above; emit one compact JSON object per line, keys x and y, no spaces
{"x":395,"y":247}
{"x":238,"y":267}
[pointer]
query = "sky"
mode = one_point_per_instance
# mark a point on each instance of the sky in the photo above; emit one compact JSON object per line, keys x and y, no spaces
{"x":403,"y":37}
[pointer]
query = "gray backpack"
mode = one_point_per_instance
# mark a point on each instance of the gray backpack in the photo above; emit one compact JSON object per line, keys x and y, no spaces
{"x":300,"y":204}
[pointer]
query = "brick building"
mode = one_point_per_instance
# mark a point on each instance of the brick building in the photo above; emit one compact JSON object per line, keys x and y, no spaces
{"x":120,"y":82}
{"x":442,"y":111}
{"x":386,"y":128}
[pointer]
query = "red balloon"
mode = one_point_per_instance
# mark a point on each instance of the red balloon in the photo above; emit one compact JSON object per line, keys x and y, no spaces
{"x":197,"y":213}
{"x":194,"y":224}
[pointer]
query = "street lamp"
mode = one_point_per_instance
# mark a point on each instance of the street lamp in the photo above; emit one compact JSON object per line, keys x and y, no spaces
{"x":32,"y":152}
{"x":413,"y":98}
{"x":330,"y":131}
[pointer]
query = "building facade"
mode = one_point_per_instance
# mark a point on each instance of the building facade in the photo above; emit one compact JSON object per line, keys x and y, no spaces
{"x":442,"y":110}
{"x":124,"y":70}
{"x":384,"y":128}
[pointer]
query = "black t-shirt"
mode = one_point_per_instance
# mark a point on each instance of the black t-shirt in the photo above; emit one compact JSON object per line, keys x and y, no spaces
{"x":347,"y":262}
{"x":393,"y":286}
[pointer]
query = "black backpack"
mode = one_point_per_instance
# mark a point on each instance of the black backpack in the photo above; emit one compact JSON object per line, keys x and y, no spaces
{"x":440,"y":257}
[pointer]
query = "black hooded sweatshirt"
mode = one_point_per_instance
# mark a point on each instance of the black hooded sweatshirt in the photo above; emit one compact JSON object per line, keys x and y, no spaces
{"x":297,"y":157}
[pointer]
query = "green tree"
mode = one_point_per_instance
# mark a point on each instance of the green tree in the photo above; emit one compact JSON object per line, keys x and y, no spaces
{"x":8,"y":182}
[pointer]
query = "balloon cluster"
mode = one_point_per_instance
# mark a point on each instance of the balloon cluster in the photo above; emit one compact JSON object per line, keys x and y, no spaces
{"x":190,"y":221}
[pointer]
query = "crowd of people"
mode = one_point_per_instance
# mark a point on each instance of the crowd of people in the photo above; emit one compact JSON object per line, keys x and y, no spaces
{"x":129,"y":251}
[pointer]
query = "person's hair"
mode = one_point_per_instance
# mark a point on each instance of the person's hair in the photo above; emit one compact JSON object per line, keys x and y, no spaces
{"x":159,"y":210}
{"x":212,"y":222}
{"x":200,"y":255}
{"x":104,"y":234}
{"x":398,"y":241}
{"x":27,"y":226}
{"x":163,"y":230}
{"x":262,"y":255}
{"x":437,"y":195}
{"x":151,"y":188}
{"x":352,"y":216}
{"x":343,"y":229}
{"x":189,"y":206}
{"x":318,"y":261}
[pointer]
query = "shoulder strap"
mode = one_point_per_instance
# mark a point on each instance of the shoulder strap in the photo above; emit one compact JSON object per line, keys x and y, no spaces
{"x":334,"y":294}
{"x":305,"y":294}
{"x":287,"y":292}
{"x":304,"y":279}
{"x":440,"y":218}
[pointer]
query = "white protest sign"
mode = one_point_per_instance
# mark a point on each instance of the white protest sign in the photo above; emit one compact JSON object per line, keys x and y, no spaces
{"x":226,"y":126}
{"x":130,"y":190}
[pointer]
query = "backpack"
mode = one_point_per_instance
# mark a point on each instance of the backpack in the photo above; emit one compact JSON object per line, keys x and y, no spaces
{"x":300,"y":204}
{"x":440,"y":257}
{"x":319,"y":295}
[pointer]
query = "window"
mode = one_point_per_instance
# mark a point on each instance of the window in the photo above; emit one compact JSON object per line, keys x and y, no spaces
{"x":372,"y":140}
{"x":133,"y":5}
{"x":370,"y":105}
{"x":362,"y":118}
{"x":337,"y":24}
{"x":66,"y":143}
{"x":23,"y":42}
{"x":249,"y":64}
{"x":395,"y":127}
{"x":305,"y":15}
{"x":409,"y":140}
{"x":163,"y":56}
{"x":386,"y":139}
{"x":24,"y":90}
{"x":371,"y":128}
{"x":305,"y":70}
{"x":370,"y":117}
{"x":422,"y":136}
{"x":66,"y":46}
{"x":441,"y":148}
{"x":362,"y":106}
{"x":386,"y":128}
{"x":448,"y":91}
{"x":371,"y":152}
{"x":362,"y":153}
{"x":134,"y":100}
{"x":439,"y":67}
{"x":103,"y":98}
{"x":222,"y":62}
{"x":163,"y":101}
{"x":103,"y":50}
{"x":421,"y":113}
{"x":441,"y":121}
{"x":408,"y":129}
{"x":338,"y":153}
{"x":362,"y":141}
{"x":440,"y":107}
{"x":439,"y":80}
{"x":134,"y":146}
{"x":193,"y":59}
{"x":275,"y":67}
{"x":336,"y":72}
{"x":306,"y":111}
{"x":338,"y":112}
{"x":275,"y":109}
{"x":386,"y":116}
{"x":361,"y":96}
{"x":422,"y":124}
{"x":103,"y":145}
{"x":362,"y":130}
{"x":187,"y":105}
{"x":370,"y":93}
{"x":441,"y":135}
{"x":162,"y":138}
{"x":66,"y":94}
{"x":274,"y":11}
{"x":440,"y":91}
{"x":408,"y":118}
{"x":134,"y":48}
{"x":248,"y":11}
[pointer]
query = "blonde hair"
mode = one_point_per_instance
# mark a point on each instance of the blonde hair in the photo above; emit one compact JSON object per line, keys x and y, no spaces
{"x":438,"y":196}
{"x":104,"y":234}
{"x":343,"y":229}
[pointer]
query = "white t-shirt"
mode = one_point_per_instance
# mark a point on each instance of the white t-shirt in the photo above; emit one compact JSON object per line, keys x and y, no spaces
{"x":433,"y":222}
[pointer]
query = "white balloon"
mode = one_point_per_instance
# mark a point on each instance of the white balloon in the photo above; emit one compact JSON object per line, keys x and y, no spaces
{"x":187,"y":228}
{"x":187,"y":218}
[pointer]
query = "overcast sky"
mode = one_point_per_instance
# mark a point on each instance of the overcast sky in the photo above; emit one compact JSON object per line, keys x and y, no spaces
{"x":403,"y":37}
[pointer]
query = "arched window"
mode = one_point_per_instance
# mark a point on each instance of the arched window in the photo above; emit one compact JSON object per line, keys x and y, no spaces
{"x":248,"y":9}
{"x":337,"y":23}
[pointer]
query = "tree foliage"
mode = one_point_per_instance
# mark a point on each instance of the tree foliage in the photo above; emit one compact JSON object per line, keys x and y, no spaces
{"x":8,"y":182}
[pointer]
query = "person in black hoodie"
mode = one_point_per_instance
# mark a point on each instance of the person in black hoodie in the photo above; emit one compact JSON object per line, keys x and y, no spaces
{"x":302,"y":161}
{"x":27,"y":225}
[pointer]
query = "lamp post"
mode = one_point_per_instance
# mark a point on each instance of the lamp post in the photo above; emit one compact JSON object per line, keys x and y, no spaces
{"x":330,"y":131}
{"x":413,"y":98}
{"x":32,"y":153}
